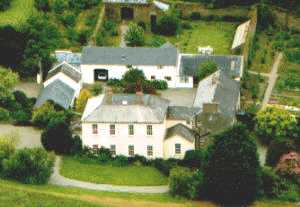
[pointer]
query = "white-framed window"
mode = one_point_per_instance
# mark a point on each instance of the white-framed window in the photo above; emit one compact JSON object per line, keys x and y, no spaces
{"x":131,"y":129}
{"x":177,"y":148}
{"x":149,"y":150}
{"x":149,"y":130}
{"x":112,"y":129}
{"x":130,"y":150}
{"x":95,"y":128}
{"x":113,"y":149}
{"x":168,"y":78}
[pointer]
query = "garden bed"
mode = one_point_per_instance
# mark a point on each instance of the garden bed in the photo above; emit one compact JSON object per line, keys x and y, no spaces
{"x":92,"y":171}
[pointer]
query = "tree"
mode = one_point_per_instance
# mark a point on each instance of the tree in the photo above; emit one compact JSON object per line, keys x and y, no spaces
{"x":205,"y":69}
{"x":58,"y":137}
{"x":168,"y":24}
{"x":274,"y":123}
{"x":232,"y":173}
{"x":134,"y":75}
{"x":42,"y":37}
{"x":82,"y":100}
{"x":264,"y":16}
{"x":135,"y":35}
{"x":42,"y":5}
{"x":8,"y":79}
{"x":4,"y":4}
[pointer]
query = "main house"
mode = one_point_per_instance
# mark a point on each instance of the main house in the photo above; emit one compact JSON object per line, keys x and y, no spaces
{"x":148,"y":125}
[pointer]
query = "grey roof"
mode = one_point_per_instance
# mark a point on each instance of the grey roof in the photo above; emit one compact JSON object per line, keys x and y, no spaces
{"x":232,"y":64}
{"x":182,"y":112}
{"x":127,"y":1}
{"x":181,"y":130}
{"x":165,"y":55}
{"x":67,"y":69}
{"x":129,"y":108}
{"x":58,"y":92}
{"x":69,"y":57}
{"x":223,"y":90}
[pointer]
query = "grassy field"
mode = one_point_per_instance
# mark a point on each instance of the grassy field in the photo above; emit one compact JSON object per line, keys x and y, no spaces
{"x":14,"y":194}
{"x":263,"y":54}
{"x":218,"y":35}
{"x":96,"y":173}
{"x":17,"y":14}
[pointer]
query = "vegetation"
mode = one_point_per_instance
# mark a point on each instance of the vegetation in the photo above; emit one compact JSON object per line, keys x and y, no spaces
{"x":96,"y":89}
{"x":82,"y":99}
{"x":135,"y":35}
{"x":168,"y":24}
{"x":232,"y":173}
{"x":4,"y":4}
{"x":91,"y":171}
{"x":205,"y":69}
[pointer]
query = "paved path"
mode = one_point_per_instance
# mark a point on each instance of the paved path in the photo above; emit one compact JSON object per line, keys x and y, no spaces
{"x":258,"y":73}
{"x":124,"y":29}
{"x":272,"y":80}
{"x":93,"y":38}
{"x":58,"y":179}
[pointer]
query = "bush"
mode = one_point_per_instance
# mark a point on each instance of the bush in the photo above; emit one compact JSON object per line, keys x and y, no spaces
{"x":83,"y":36}
{"x":195,"y":16}
{"x":82,"y":99}
{"x":165,"y":166}
{"x":293,"y":55}
{"x":271,"y":183}
{"x":7,"y":149}
{"x":138,"y":159}
{"x":4,"y":114}
{"x":120,"y":161}
{"x":4,"y":4}
{"x":186,"y":25}
{"x":205,"y":69}
{"x":58,"y":137}
{"x":68,"y":19}
{"x":33,"y":166}
{"x":156,"y":41}
{"x":288,"y":166}
{"x":134,"y":75}
{"x":76,"y":147}
{"x":103,"y":155}
{"x":115,"y":83}
{"x":168,"y":24}
{"x":185,"y":183}
{"x":142,"y":25}
{"x":21,"y":117}
{"x":195,"y":159}
{"x":96,"y":89}
{"x":42,"y":5}
{"x":59,"y":6}
{"x":135,"y":35}
{"x":159,"y":84}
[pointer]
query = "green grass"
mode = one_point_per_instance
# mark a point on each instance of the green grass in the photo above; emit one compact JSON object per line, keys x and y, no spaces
{"x":17,"y":14}
{"x":218,"y":35}
{"x":90,"y":171}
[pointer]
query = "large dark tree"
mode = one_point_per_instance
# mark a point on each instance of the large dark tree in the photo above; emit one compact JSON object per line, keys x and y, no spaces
{"x":42,"y":38}
{"x":231,"y":176}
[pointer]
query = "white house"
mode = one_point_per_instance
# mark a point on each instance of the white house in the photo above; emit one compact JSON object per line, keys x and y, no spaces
{"x":62,"y":85}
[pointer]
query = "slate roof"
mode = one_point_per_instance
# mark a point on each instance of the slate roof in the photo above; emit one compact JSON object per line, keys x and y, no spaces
{"x":73,"y":59}
{"x":129,"y":108}
{"x":58,"y":92}
{"x":182,"y":112}
{"x":181,"y":130}
{"x":165,"y":55}
{"x":127,"y":1}
{"x":219,"y":88}
{"x":232,"y":64}
{"x":67,"y":69}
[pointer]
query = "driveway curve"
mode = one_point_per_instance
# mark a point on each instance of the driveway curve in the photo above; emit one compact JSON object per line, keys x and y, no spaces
{"x":60,"y":180}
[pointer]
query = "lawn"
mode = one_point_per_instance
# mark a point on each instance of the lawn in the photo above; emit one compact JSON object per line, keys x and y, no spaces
{"x":91,"y":171}
{"x":218,"y":35}
{"x":17,"y":14}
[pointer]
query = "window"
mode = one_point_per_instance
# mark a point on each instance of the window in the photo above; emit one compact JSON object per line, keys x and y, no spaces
{"x":153,"y":77}
{"x":95,"y":129}
{"x":131,"y":150}
{"x":130,"y":129}
{"x":112,"y":129}
{"x":177,"y":148}
{"x":149,"y":129}
{"x":168,"y":78}
{"x":113,"y":149}
{"x":95,"y":146}
{"x":149,"y":150}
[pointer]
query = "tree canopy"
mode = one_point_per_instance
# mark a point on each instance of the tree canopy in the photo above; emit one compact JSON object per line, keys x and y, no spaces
{"x":232,"y":173}
{"x":205,"y":69}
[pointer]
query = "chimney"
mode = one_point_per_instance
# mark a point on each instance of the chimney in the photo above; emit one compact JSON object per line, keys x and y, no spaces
{"x":210,"y":107}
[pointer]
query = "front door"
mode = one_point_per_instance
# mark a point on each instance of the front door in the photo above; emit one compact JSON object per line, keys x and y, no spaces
{"x":101,"y":75}
{"x":153,"y":22}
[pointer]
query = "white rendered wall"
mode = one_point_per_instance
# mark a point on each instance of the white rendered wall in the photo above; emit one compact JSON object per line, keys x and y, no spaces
{"x":169,"y":147}
{"x":121,"y":139}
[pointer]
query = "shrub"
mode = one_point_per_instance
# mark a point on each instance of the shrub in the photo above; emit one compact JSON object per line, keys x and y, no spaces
{"x":195,"y":159}
{"x":21,"y":117}
{"x":135,"y":35}
{"x":96,"y":89}
{"x":59,"y":6}
{"x":68,"y":19}
{"x":186,"y":25}
{"x":76,"y":147}
{"x":147,"y":88}
{"x":134,"y":75}
{"x":159,"y":84}
{"x":33,"y":166}
{"x":82,"y":100}
{"x":142,"y":25}
{"x":7,"y":149}
{"x":195,"y":16}
{"x":138,"y":158}
{"x":57,"y":137}
{"x":21,"y":98}
{"x":156,"y":41}
{"x":293,"y":55}
{"x":103,"y":155}
{"x":271,"y":183}
{"x":289,"y":166}
{"x":164,"y":166}
{"x":83,"y":36}
{"x":71,"y":34}
{"x":185,"y":183}
{"x":4,"y":4}
{"x":205,"y":69}
{"x":115,"y":82}
{"x":4,"y":114}
{"x":109,"y":25}
{"x":42,"y":5}
{"x":120,"y":161}
{"x":168,"y":24}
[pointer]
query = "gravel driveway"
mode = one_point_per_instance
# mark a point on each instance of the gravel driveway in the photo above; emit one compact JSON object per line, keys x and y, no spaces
{"x":27,"y":136}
